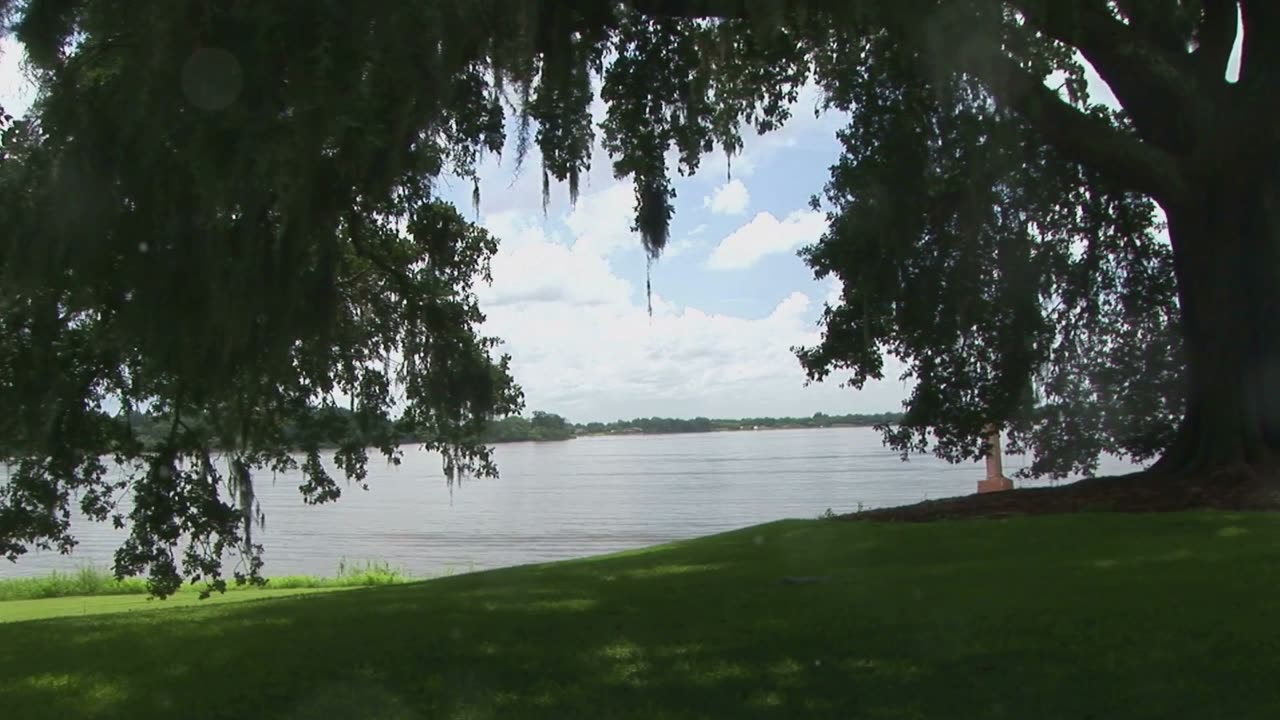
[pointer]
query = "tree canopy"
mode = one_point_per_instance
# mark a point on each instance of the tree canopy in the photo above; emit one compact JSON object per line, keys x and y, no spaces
{"x":230,"y":209}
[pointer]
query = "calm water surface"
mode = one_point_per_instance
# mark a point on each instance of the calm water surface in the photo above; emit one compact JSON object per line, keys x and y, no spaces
{"x":568,"y":499}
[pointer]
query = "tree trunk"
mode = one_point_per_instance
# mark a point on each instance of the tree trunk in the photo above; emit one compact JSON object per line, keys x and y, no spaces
{"x":1226,"y":243}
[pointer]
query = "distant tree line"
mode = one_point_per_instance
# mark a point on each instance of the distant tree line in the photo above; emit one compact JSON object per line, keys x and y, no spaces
{"x":331,"y":424}
{"x":657,"y":425}
{"x":542,"y":426}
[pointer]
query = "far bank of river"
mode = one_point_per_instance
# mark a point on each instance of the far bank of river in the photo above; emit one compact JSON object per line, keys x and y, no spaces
{"x":752,"y":428}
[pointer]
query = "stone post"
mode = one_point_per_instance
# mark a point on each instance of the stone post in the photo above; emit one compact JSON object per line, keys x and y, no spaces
{"x":995,"y":480}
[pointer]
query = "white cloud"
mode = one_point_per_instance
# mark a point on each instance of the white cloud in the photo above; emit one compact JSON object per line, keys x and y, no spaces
{"x":601,"y":221}
{"x":731,"y":198}
{"x":16,"y":90}
{"x":614,"y":360}
{"x":533,"y":266}
{"x":676,"y":248}
{"x":513,"y":228}
{"x":766,"y":235}
{"x":584,"y":344}
{"x":681,"y":244}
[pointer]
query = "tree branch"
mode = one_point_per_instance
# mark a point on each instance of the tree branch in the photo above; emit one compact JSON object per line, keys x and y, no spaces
{"x":1135,"y":69}
{"x":1259,"y":60}
{"x":1093,"y":140}
{"x":1149,"y":82}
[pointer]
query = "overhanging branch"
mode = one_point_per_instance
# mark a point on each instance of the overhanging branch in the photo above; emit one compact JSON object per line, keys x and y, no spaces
{"x":1139,"y":72}
{"x":1149,"y":81}
{"x":1093,"y":140}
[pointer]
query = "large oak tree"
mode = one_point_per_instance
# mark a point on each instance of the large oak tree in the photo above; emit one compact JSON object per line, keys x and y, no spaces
{"x":227,"y":211}
{"x":995,"y":231}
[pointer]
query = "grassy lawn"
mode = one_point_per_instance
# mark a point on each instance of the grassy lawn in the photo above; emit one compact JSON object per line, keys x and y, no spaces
{"x":1102,"y":616}
{"x":94,"y":591}
{"x":91,"y":581}
{"x":22,"y":610}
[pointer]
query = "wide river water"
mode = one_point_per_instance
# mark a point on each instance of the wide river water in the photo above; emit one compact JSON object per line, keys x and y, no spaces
{"x":586,"y":496}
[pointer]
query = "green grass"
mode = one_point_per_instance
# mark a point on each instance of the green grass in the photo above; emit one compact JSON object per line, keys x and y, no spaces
{"x":93,"y":582}
{"x":93,"y":591}
{"x":44,"y":608}
{"x":1089,"y":616}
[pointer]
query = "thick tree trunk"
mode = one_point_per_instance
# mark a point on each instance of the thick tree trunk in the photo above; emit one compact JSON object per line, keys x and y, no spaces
{"x":1226,"y":243}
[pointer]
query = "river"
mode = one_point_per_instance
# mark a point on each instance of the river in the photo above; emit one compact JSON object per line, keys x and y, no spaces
{"x":585,"y":496}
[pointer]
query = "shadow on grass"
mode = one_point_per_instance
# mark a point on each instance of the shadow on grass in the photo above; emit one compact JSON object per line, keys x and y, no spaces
{"x":910,"y":624}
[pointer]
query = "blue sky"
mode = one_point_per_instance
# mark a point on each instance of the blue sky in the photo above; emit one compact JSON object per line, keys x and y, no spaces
{"x":731,"y":297}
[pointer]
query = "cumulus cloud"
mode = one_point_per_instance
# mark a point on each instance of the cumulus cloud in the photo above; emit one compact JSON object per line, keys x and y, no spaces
{"x":683,"y":243}
{"x":535,"y":265}
{"x":614,"y":360}
{"x":550,"y":273}
{"x":16,"y":90}
{"x":601,"y":221}
{"x":584,"y":344}
{"x":766,"y":235}
{"x":731,"y":198}
{"x":676,"y":248}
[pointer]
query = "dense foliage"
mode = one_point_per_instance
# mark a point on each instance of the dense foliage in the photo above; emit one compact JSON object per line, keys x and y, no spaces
{"x":330,"y":428}
{"x":541,"y":426}
{"x":1018,"y":287}
{"x":226,"y":210}
{"x":195,"y":232}
{"x":994,"y":228}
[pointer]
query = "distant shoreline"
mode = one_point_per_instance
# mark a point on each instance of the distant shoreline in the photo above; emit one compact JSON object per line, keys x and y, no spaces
{"x":713,"y":431}
{"x":338,"y":427}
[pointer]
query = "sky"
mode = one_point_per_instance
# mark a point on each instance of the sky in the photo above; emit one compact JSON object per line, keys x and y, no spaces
{"x":730,"y":295}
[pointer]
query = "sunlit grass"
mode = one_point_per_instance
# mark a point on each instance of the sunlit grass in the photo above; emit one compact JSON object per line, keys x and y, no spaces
{"x":41,"y":609}
{"x":1103,"y":616}
{"x":91,"y":581}
{"x":94,"y":591}
{"x":85,"y":581}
